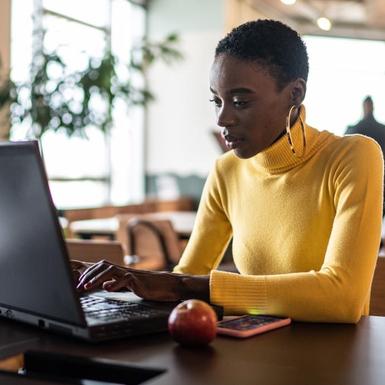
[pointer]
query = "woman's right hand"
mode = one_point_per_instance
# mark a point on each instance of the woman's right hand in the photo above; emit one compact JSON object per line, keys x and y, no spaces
{"x":78,"y":268}
{"x":150,"y":285}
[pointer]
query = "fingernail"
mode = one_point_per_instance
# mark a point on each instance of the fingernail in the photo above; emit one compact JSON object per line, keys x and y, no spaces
{"x":87,"y":285}
{"x":108,"y":286}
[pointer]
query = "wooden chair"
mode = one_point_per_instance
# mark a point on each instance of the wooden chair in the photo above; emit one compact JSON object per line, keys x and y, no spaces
{"x":95,"y":251}
{"x":153,"y":244}
{"x":121,"y":234}
{"x":377,"y":297}
{"x":148,"y":206}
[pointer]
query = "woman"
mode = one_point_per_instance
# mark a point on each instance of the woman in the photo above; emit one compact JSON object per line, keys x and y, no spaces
{"x":303,"y":207}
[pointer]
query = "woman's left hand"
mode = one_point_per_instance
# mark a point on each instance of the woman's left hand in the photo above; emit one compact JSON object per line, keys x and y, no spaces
{"x":150,"y":285}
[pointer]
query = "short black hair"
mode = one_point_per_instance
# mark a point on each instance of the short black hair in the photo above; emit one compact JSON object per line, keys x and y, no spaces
{"x":272,"y":45}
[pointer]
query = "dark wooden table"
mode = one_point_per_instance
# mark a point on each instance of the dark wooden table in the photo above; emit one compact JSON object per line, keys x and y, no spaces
{"x":302,"y":353}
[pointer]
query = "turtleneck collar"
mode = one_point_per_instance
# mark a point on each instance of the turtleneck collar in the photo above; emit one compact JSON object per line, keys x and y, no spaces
{"x":279,"y":156}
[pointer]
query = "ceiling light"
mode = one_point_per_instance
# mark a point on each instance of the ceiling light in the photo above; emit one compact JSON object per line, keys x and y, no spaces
{"x":288,"y":2}
{"x":324,"y":23}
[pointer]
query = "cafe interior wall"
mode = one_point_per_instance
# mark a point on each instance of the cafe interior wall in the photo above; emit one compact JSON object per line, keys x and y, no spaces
{"x":179,"y":124}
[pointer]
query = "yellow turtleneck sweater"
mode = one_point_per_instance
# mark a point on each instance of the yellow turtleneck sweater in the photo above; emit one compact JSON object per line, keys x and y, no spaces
{"x":306,"y":231}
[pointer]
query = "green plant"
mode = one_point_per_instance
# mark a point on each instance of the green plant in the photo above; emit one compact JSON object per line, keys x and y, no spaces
{"x":54,"y":99}
{"x":7,"y":96}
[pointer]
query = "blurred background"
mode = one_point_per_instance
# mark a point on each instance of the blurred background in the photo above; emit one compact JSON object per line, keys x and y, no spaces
{"x":117,"y":91}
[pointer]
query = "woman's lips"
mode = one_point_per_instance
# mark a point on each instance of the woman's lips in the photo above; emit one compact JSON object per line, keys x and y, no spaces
{"x":232,"y":142}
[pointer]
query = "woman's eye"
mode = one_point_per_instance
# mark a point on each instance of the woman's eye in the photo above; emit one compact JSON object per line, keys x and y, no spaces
{"x":239,"y":103}
{"x":216,"y":101}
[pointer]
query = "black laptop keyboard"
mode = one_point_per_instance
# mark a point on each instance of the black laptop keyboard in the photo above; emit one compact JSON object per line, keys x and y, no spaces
{"x":109,"y":310}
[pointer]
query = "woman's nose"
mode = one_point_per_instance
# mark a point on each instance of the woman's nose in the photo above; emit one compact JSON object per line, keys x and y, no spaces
{"x":225,"y":117}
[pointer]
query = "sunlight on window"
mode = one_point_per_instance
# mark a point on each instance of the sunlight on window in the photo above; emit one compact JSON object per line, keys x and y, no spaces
{"x":100,"y":170}
{"x":74,"y":42}
{"x":89,"y":11}
{"x":21,"y":51}
{"x":124,"y":35}
{"x":342,"y":73}
{"x":55,"y":145}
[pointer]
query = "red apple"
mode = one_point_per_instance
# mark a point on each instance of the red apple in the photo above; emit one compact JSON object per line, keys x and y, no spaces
{"x":193,"y":323}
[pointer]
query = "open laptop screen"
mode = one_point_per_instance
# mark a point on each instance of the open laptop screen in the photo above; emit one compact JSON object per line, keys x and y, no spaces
{"x":34,"y":268}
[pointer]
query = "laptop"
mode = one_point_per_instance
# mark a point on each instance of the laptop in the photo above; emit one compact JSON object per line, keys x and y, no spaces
{"x":36,"y":282}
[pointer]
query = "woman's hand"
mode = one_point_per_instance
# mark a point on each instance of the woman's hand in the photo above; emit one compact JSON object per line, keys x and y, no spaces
{"x":78,"y":268}
{"x":150,"y":285}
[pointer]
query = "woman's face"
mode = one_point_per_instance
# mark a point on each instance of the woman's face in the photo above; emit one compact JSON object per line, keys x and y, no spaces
{"x":249,"y":108}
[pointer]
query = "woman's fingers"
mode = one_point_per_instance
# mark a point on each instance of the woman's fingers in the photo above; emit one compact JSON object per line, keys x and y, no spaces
{"x":78,"y":268}
{"x":151,"y":285}
{"x":118,"y":284}
{"x":98,"y":274}
{"x":95,"y":267}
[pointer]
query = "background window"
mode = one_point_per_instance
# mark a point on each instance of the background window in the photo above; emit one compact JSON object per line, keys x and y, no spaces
{"x":101,"y":169}
{"x":342,"y":73}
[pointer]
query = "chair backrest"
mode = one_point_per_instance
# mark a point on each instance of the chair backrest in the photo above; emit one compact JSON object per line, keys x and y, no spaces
{"x":155,"y":243}
{"x":377,"y":297}
{"x":121,"y":233}
{"x":95,"y":251}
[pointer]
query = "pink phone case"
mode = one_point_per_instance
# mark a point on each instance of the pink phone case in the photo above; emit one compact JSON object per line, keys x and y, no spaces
{"x":249,"y":325}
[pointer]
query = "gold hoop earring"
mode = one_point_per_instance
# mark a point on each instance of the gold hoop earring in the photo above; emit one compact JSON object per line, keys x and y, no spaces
{"x":288,"y":133}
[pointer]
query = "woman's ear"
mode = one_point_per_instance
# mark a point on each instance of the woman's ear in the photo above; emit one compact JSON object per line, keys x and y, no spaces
{"x":298,"y":91}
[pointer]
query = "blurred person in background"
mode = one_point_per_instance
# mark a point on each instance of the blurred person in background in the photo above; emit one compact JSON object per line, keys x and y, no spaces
{"x":369,"y":126}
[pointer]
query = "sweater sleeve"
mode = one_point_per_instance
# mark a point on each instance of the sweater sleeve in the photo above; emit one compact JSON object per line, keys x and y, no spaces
{"x":211,"y":233}
{"x":339,"y":291}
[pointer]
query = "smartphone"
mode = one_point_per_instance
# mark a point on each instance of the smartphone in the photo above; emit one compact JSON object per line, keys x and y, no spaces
{"x":249,"y":325}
